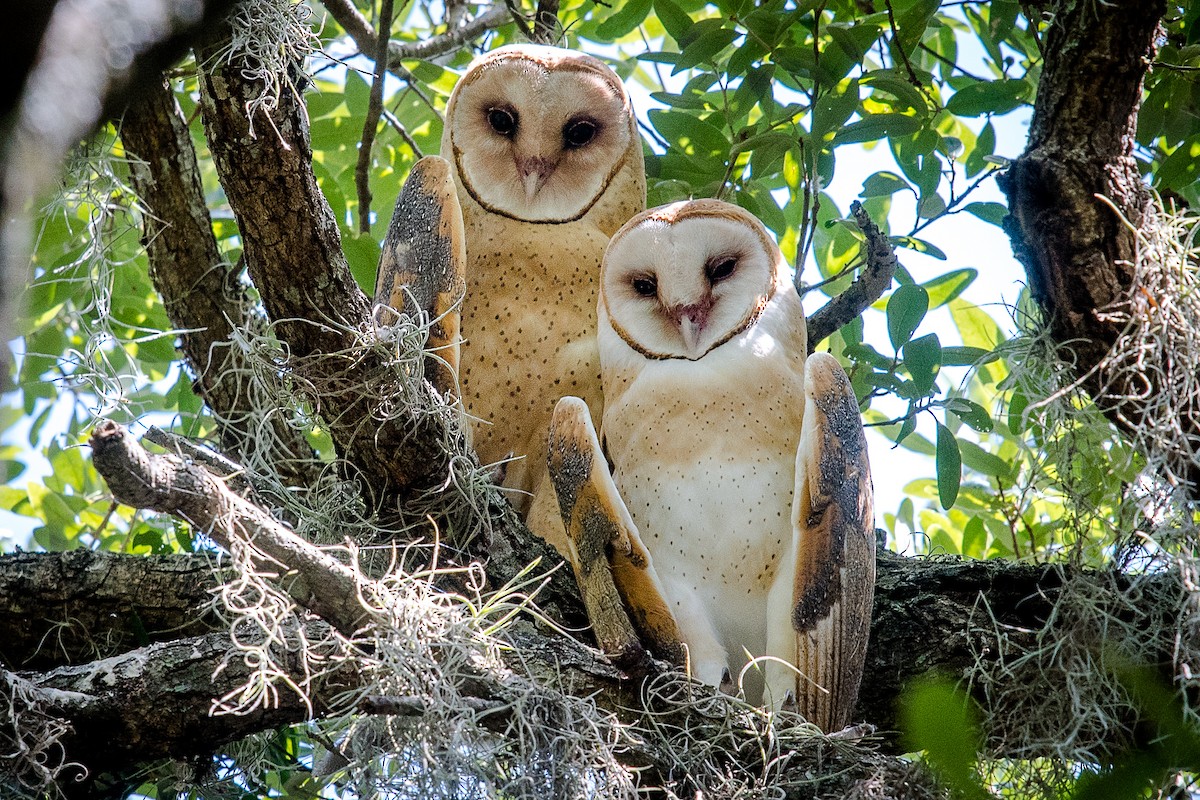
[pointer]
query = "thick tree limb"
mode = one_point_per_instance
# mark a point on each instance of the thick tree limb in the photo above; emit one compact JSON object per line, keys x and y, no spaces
{"x":151,"y":703}
{"x":201,"y":292}
{"x":930,"y":615}
{"x":869,"y":286}
{"x":77,"y":606}
{"x":294,"y":256}
{"x":1076,"y":251}
{"x":324,"y":319}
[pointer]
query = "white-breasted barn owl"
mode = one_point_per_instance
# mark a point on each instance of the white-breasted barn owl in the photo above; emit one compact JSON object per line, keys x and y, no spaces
{"x":741,"y":463}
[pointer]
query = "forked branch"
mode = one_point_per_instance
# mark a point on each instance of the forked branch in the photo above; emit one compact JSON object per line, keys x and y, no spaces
{"x":869,"y":286}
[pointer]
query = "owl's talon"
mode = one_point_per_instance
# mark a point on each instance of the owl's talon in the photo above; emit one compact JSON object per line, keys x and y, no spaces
{"x":727,"y":686}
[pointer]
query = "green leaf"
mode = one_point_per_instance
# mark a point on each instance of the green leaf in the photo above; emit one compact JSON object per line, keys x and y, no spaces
{"x":923,"y":358}
{"x":988,"y":97}
{"x":878,"y":126}
{"x":628,"y":17}
{"x":704,"y":48}
{"x":358,"y":95}
{"x":771,"y":139}
{"x":886,"y":80}
{"x":693,"y":100}
{"x":1016,"y":411}
{"x":975,"y":326}
{"x":945,"y":288}
{"x":673,"y":18}
{"x":1182,"y":168}
{"x":690,"y":134}
{"x":971,"y":413}
{"x":931,"y":206}
{"x":988,"y":212}
{"x":966,"y":356}
{"x":905,"y":309}
{"x":883,"y":184}
{"x":985,"y":145}
{"x":362,"y":255}
{"x":918,"y":246}
{"x":833,"y":108}
{"x":983,"y":462}
{"x":940,"y":719}
{"x":911,"y":24}
{"x":949,"y":466}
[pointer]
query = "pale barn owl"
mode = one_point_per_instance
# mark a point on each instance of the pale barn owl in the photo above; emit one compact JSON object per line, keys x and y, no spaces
{"x":741,"y":464}
{"x":548,"y":164}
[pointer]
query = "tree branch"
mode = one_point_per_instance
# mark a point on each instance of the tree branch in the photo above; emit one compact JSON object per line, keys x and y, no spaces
{"x":931,"y":615}
{"x":546,"y":29}
{"x":364,"y":35}
{"x":167,"y":484}
{"x":201,"y":292}
{"x":293,"y":253}
{"x":148,"y":704}
{"x":362,"y":169}
{"x":868,"y":287}
{"x":1077,"y":253}
{"x":77,"y":606}
{"x":324,"y":320}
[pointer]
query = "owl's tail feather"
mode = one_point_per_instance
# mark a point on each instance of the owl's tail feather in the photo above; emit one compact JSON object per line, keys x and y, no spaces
{"x":612,"y":566}
{"x":833,"y":515}
{"x":422,"y":267}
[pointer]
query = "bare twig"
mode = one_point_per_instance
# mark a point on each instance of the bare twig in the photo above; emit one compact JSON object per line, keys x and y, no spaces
{"x":403,"y":133}
{"x":360,"y":30}
{"x":912,"y":74}
{"x":362,"y":170}
{"x":545,"y":23}
{"x":868,"y":287}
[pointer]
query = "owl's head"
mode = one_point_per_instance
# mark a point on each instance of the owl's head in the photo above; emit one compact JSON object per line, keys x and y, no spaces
{"x":682,"y":279}
{"x":538,"y":133}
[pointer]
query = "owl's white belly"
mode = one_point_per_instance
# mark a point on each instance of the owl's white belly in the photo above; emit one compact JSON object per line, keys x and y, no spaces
{"x":709,"y":484}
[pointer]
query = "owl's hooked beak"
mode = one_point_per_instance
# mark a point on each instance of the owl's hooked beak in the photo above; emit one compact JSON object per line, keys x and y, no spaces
{"x":534,"y":172}
{"x":691,"y":320}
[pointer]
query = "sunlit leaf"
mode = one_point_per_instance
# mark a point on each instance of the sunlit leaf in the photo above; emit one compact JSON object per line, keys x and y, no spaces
{"x":949,"y":466}
{"x":905,"y":309}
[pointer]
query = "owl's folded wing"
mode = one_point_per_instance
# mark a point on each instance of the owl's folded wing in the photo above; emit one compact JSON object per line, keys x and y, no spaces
{"x":422,"y":266}
{"x":612,"y":565}
{"x":835,"y":563}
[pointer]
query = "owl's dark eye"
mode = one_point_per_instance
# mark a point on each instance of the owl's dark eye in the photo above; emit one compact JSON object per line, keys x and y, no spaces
{"x":503,"y":121}
{"x":646,"y":287}
{"x":720,"y":269}
{"x":579,"y":132}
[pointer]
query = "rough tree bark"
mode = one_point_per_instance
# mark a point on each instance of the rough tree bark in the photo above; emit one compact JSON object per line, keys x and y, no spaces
{"x":925,"y":614}
{"x":1077,"y":252}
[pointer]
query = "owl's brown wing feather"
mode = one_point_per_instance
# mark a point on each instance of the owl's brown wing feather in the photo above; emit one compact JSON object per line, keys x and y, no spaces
{"x":612,"y":565}
{"x":422,"y":268}
{"x":835,"y":562}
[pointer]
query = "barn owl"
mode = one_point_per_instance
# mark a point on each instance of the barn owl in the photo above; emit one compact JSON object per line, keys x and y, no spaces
{"x":740,"y":493}
{"x":545,"y":154}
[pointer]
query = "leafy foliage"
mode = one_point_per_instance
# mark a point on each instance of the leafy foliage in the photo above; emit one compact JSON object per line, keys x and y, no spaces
{"x":757,"y":103}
